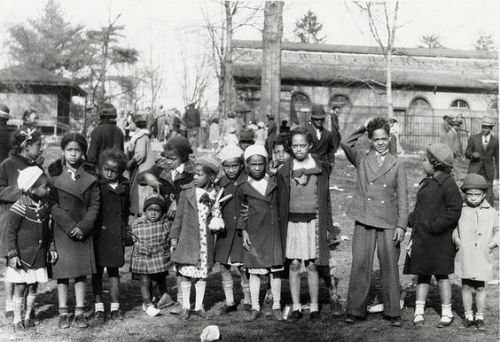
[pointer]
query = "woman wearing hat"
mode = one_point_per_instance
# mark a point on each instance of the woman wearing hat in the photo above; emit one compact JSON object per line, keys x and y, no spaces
{"x":482,"y":150}
{"x":436,"y":214}
{"x":106,"y":135}
{"x":141,"y":159}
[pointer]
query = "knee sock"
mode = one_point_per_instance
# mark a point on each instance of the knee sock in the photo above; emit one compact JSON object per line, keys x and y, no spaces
{"x":114,"y":307}
{"x":314,"y":307}
{"x":276,"y":292}
{"x":79,"y":310}
{"x":446,"y":310}
{"x":185,"y":291}
{"x":199,"y":286}
{"x":419,"y":307}
{"x":469,"y":315}
{"x":17,"y":303}
{"x":245,"y":287}
{"x":227,"y":285}
{"x":30,"y":301}
{"x":99,"y":307}
{"x":254,"y":282}
{"x":9,"y":305}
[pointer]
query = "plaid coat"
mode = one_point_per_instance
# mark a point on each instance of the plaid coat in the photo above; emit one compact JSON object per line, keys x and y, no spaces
{"x":151,"y":252}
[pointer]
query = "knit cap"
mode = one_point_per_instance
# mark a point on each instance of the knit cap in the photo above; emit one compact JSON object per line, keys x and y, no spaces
{"x":28,"y":177}
{"x":209,"y":162}
{"x":255,"y":150}
{"x":229,"y":152}
{"x":474,"y":181}
{"x":155,"y":199}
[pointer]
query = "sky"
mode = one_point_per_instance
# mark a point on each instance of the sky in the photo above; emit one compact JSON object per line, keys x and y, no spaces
{"x":170,"y":33}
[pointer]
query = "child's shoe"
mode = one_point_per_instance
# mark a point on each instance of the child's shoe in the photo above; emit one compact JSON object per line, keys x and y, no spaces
{"x":314,"y":316}
{"x":165,"y":301}
{"x":335,"y":304}
{"x":254,"y":315}
{"x":185,"y":314}
{"x":63,"y":321}
{"x":150,"y":310}
{"x":28,"y":323}
{"x":418,"y":320}
{"x":100,"y":317}
{"x":9,"y":315}
{"x":445,"y":321}
{"x":480,"y":325}
{"x":116,"y":315}
{"x":200,"y":313}
{"x":295,"y":316}
{"x":277,"y":315}
{"x":228,"y":308}
{"x":80,"y":321}
{"x":467,"y":323}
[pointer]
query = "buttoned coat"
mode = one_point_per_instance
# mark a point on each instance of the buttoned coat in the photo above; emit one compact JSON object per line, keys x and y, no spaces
{"x":477,"y":228}
{"x":9,"y":192}
{"x":73,"y":204}
{"x":229,"y":244}
{"x":436,"y":214}
{"x":106,"y":135}
{"x":324,"y":149}
{"x":112,"y":223}
{"x":259,"y":216}
{"x":381,"y":197}
{"x":488,"y":159}
{"x":324,"y":207}
{"x":186,"y":229}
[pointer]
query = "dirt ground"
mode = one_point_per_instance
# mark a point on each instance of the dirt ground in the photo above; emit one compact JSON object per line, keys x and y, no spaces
{"x":137,"y":326}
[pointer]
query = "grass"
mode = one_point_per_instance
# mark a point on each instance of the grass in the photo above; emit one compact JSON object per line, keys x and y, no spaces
{"x":136,"y":326}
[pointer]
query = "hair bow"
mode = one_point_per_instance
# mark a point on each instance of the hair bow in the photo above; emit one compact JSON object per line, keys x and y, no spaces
{"x":28,"y":135}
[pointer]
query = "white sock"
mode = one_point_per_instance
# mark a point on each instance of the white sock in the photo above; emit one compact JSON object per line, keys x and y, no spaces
{"x":17,"y":303}
{"x":296,"y":307}
{"x":419,"y":307}
{"x":99,"y":307}
{"x":313,"y":307}
{"x":254,"y":282}
{"x":479,"y":315}
{"x":276,"y":291}
{"x":200,"y":287}
{"x":30,"y":302}
{"x":186,"y":291}
{"x":446,"y":310}
{"x":469,"y":315}
{"x":227,"y":285}
{"x":115,"y":306}
{"x":245,"y":288}
{"x":179,"y":290}
{"x":9,"y":306}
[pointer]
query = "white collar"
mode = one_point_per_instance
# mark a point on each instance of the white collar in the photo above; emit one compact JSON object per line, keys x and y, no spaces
{"x":307,"y":163}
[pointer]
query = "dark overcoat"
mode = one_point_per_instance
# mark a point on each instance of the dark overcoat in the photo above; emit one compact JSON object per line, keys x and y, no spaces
{"x":112,"y":223}
{"x":324,"y":207}
{"x":9,"y":192}
{"x":6,"y":132}
{"x":106,"y":135}
{"x":436,"y":214}
{"x":488,"y":160}
{"x":229,"y":244}
{"x":324,"y":149}
{"x":73,"y":204}
{"x":186,"y":229}
{"x":381,"y":197}
{"x":260,"y":218}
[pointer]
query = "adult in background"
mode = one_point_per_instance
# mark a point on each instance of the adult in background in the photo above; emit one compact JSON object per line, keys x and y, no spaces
{"x":229,"y":122}
{"x":5,"y":132}
{"x":482,"y":150}
{"x":272,"y":132}
{"x":30,"y":118}
{"x":141,"y":158}
{"x":324,"y":143}
{"x":106,"y":135}
{"x":192,"y":121}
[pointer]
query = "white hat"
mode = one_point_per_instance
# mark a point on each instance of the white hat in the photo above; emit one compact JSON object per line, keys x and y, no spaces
{"x":255,"y":150}
{"x":230,"y":151}
{"x":261,"y":124}
{"x":232,"y":129}
{"x":28,"y":177}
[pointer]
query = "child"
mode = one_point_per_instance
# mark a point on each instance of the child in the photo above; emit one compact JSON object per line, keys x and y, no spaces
{"x":151,"y":253}
{"x":436,"y":214}
{"x":75,"y":203}
{"x":168,"y":176}
{"x":475,"y":238}
{"x":230,"y":138}
{"x":259,"y":222}
{"x":192,"y":241}
{"x":28,"y":240}
{"x":229,"y":246}
{"x":281,"y":153}
{"x":112,"y":222}
{"x":380,"y":211}
{"x":305,"y":215}
{"x":26,"y":151}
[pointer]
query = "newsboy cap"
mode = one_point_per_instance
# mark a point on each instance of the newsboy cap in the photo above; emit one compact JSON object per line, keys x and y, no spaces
{"x":488,"y":121}
{"x":474,"y":181}
{"x":442,"y":153}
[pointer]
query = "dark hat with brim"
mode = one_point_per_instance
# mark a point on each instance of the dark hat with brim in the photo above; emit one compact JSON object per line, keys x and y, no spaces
{"x":318,"y":112}
{"x":474,"y":181}
{"x":247,"y":135}
{"x":107,"y":110}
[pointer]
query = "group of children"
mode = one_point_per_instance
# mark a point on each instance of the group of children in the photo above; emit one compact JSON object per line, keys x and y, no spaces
{"x":267,"y":219}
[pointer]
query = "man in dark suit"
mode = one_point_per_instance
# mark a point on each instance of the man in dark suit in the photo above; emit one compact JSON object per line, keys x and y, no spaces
{"x":5,"y":132}
{"x":325,"y":143}
{"x":482,"y":150}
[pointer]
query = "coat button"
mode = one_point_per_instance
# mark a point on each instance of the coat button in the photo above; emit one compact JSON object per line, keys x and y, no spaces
{"x":39,"y":241}
{"x":369,"y":199}
{"x":234,"y":217}
{"x":371,"y":183}
{"x":382,"y":202}
{"x":385,"y":185}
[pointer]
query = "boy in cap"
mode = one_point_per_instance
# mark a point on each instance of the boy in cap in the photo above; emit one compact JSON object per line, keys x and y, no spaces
{"x":482,"y":150}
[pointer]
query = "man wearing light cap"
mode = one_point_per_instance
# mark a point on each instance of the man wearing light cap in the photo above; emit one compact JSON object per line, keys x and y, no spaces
{"x":106,"y":135}
{"x":5,"y":131}
{"x":482,"y":150}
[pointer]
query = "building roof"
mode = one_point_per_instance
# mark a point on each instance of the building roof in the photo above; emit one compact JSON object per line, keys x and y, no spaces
{"x":29,"y":75}
{"x":350,"y":65}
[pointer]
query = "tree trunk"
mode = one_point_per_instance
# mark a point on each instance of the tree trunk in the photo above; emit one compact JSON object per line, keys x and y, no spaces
{"x":228,"y":61}
{"x":390,"y":109}
{"x":271,"y":60}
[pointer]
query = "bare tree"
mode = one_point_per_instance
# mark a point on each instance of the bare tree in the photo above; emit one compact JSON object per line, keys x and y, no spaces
{"x":431,"y":41}
{"x":382,"y":22}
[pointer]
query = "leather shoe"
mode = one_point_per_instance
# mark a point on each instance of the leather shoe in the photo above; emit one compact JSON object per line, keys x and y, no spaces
{"x":254,"y":315}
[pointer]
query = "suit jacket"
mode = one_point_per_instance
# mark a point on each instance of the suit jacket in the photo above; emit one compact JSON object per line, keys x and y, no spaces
{"x":381,"y":197}
{"x":488,"y":158}
{"x":325,"y":147}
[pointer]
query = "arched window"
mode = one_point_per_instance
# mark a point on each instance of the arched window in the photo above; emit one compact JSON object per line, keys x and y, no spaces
{"x":300,"y":106}
{"x":338,"y":101}
{"x":493,"y":105}
{"x":461,"y":104}
{"x":420,"y":103}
